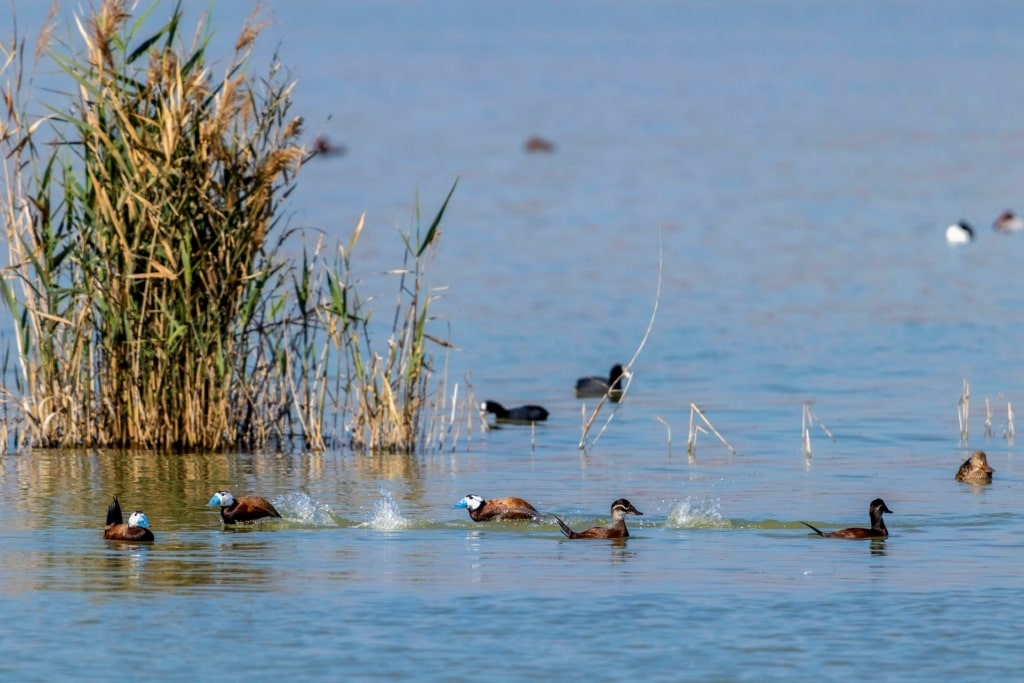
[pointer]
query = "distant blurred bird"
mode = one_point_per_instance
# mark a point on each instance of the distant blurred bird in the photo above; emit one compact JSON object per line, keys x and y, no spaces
{"x":524,"y":414}
{"x":1008,"y":221}
{"x":538,"y":144}
{"x":959,"y":233}
{"x":324,"y":147}
{"x":596,"y":387}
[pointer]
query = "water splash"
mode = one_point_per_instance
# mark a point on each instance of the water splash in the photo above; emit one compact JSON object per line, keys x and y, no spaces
{"x":386,"y":515}
{"x":700,"y":514}
{"x":303,"y":508}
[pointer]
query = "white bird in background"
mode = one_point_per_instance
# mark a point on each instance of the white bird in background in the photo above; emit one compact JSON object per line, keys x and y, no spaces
{"x":959,"y":233}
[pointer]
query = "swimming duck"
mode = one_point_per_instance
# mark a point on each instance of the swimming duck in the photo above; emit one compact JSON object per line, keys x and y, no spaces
{"x":497,"y":509}
{"x":538,"y":144}
{"x":975,"y":469}
{"x":877,"y":529}
{"x":617,"y":529}
{"x":596,"y":387}
{"x":137,"y":528}
{"x":523,"y":414}
{"x":244,"y":509}
{"x":1008,"y":222}
{"x":959,"y":233}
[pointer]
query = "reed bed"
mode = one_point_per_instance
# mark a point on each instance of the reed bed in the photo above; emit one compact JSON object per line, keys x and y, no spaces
{"x":153,"y":302}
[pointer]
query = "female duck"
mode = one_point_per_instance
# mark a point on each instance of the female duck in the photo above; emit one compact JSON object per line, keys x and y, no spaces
{"x":523,"y":414}
{"x":597,"y":387}
{"x":877,"y":529}
{"x":137,"y":528}
{"x":617,"y":529}
{"x":975,"y":469}
{"x":1008,"y":222}
{"x":244,"y":509}
{"x":497,"y":509}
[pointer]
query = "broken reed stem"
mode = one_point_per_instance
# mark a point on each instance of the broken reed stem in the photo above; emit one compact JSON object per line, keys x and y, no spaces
{"x":988,"y":419}
{"x":1009,"y":423}
{"x":692,"y":444}
{"x":627,"y":371}
{"x":668,"y":430}
{"x":805,"y":432}
{"x":963,"y":411}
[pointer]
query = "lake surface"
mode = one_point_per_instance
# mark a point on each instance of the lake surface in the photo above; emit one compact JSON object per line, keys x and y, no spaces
{"x":794,"y":166}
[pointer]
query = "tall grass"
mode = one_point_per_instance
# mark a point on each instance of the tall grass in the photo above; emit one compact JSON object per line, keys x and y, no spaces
{"x":153,"y":303}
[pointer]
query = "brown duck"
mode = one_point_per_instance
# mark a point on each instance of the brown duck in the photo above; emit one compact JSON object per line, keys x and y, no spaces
{"x":617,"y":529}
{"x":244,"y":509}
{"x":975,"y":469}
{"x":137,"y":528}
{"x":877,"y":529}
{"x":497,"y":509}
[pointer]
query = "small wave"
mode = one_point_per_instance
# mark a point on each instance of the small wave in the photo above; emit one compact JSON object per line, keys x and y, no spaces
{"x":697,"y":514}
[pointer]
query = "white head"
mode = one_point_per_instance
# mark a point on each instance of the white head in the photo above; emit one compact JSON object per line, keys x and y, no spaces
{"x":138,"y":518}
{"x":472,"y":502}
{"x":223,"y":499}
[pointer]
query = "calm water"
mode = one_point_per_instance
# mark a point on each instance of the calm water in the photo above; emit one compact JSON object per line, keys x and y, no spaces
{"x":797,"y":162}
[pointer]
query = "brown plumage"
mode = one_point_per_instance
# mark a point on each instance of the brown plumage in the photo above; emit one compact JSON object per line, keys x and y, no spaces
{"x":135,"y":530}
{"x":497,"y":509}
{"x":877,"y":529}
{"x":617,"y":529}
{"x":538,"y":144}
{"x":975,"y":469}
{"x":244,"y":509}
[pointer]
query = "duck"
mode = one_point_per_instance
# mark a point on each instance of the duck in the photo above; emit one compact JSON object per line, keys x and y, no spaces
{"x":597,"y":387}
{"x":959,"y":233}
{"x":137,"y":528}
{"x":244,"y":509}
{"x":497,"y":509}
{"x":1008,"y":222}
{"x":523,"y":414}
{"x":617,"y":529}
{"x":535,"y":143}
{"x":975,"y":469}
{"x":877,"y":529}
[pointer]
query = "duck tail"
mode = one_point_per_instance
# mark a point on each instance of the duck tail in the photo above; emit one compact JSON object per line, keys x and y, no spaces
{"x":114,"y":513}
{"x":563,"y":526}
{"x":813,"y":528}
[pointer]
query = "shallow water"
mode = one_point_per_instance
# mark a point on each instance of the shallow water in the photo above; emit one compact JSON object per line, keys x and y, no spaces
{"x":795,"y":165}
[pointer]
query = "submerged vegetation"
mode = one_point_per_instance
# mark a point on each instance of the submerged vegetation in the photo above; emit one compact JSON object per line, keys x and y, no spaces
{"x":153,"y":303}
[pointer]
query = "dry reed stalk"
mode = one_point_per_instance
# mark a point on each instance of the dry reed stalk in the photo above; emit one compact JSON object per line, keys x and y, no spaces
{"x":668,"y":433}
{"x":808,"y":421}
{"x":1009,"y":433}
{"x":963,"y":412}
{"x":627,"y":370}
{"x":691,"y":447}
{"x":988,"y":419}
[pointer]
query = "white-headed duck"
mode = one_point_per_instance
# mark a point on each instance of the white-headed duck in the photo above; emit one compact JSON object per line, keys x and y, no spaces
{"x":877,"y":529}
{"x":244,"y":509}
{"x":596,"y":387}
{"x":975,"y":469}
{"x":497,"y":509}
{"x":521,"y":415}
{"x":137,"y":528}
{"x":1008,"y":221}
{"x":617,"y":529}
{"x":959,"y":233}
